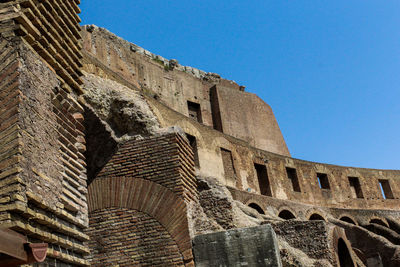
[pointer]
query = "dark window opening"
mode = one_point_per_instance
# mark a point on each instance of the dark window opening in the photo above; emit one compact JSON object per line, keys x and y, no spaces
{"x":345,"y":259}
{"x":193,"y":144}
{"x":316,"y":217}
{"x":385,"y":189}
{"x":355,"y":187}
{"x":263,"y":181}
{"x":323,"y":181}
{"x":347,"y":219}
{"x":287,"y":215}
{"x":215,"y":109}
{"x":257,"y":208}
{"x":292,"y":175}
{"x":194,"y":111}
{"x":229,"y":168}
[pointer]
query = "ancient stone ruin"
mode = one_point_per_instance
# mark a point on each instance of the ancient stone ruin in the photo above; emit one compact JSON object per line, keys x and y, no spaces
{"x":113,"y":156}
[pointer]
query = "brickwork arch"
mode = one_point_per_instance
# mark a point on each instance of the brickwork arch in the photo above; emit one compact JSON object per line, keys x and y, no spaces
{"x":256,"y":207}
{"x":285,"y":209}
{"x":148,"y":197}
{"x":315,"y":214}
{"x":287,"y":214}
{"x":344,"y":253}
{"x":348,"y":218}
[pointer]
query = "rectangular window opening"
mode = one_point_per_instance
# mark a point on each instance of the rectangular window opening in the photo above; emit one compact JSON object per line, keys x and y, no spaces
{"x":355,"y":187}
{"x":193,"y":144}
{"x":194,"y":111}
{"x":386,"y":190}
{"x":263,"y":181}
{"x":323,"y":181}
{"x":229,"y":168}
{"x":292,"y":175}
{"x":215,"y":109}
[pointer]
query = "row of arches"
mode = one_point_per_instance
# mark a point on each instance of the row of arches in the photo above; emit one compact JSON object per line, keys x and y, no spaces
{"x":288,"y":214}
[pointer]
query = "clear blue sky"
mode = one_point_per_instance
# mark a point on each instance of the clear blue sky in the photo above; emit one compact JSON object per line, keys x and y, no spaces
{"x":329,"y":69}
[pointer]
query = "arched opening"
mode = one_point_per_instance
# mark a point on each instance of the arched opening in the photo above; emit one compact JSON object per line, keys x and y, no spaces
{"x":378,"y":221}
{"x":316,"y":217}
{"x":257,"y":208}
{"x":287,"y":215}
{"x":348,"y":220}
{"x":345,"y":259}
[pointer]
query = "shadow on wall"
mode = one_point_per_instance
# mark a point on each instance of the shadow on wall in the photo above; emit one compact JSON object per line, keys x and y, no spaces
{"x":100,"y":145}
{"x":345,"y":259}
{"x":316,"y":217}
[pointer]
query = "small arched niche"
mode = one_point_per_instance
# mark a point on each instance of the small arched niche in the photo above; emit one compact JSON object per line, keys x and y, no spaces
{"x":286,"y":215}
{"x":316,"y":217}
{"x":347,"y":219}
{"x":257,"y":208}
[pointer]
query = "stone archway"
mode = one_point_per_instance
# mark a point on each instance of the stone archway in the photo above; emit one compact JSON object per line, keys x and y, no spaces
{"x":344,"y":255}
{"x":286,"y":215}
{"x":348,"y":219}
{"x":155,"y":202}
{"x":256,"y":207}
{"x":342,"y":247}
{"x":316,"y":217}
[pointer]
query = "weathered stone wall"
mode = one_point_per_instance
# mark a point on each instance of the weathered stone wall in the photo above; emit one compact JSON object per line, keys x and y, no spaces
{"x":294,"y":184}
{"x":313,"y":238}
{"x":175,"y":85}
{"x":247,"y":117}
{"x":256,"y":246}
{"x":301,"y":211}
{"x":339,"y":193}
{"x":130,"y":238}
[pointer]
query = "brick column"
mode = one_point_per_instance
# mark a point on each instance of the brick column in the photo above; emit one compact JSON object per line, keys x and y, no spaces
{"x":42,"y":166}
{"x":152,"y":179}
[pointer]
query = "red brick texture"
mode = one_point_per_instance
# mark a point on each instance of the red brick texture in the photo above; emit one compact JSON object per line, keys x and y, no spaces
{"x":148,"y":179}
{"x":145,"y":196}
{"x":42,"y":166}
{"x":130,"y":238}
{"x":167,"y":160}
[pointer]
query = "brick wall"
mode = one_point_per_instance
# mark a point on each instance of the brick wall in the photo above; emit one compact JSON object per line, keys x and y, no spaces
{"x":129,"y":238}
{"x":167,"y":160}
{"x":217,"y":208}
{"x":10,"y":141}
{"x":153,"y":176}
{"x":42,"y":166}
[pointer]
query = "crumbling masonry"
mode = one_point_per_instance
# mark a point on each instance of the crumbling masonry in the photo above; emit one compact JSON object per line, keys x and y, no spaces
{"x":114,"y":156}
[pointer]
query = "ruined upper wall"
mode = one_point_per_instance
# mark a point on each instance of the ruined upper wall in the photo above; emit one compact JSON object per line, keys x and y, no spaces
{"x":232,"y":161}
{"x":233,"y":148}
{"x":175,"y":85}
